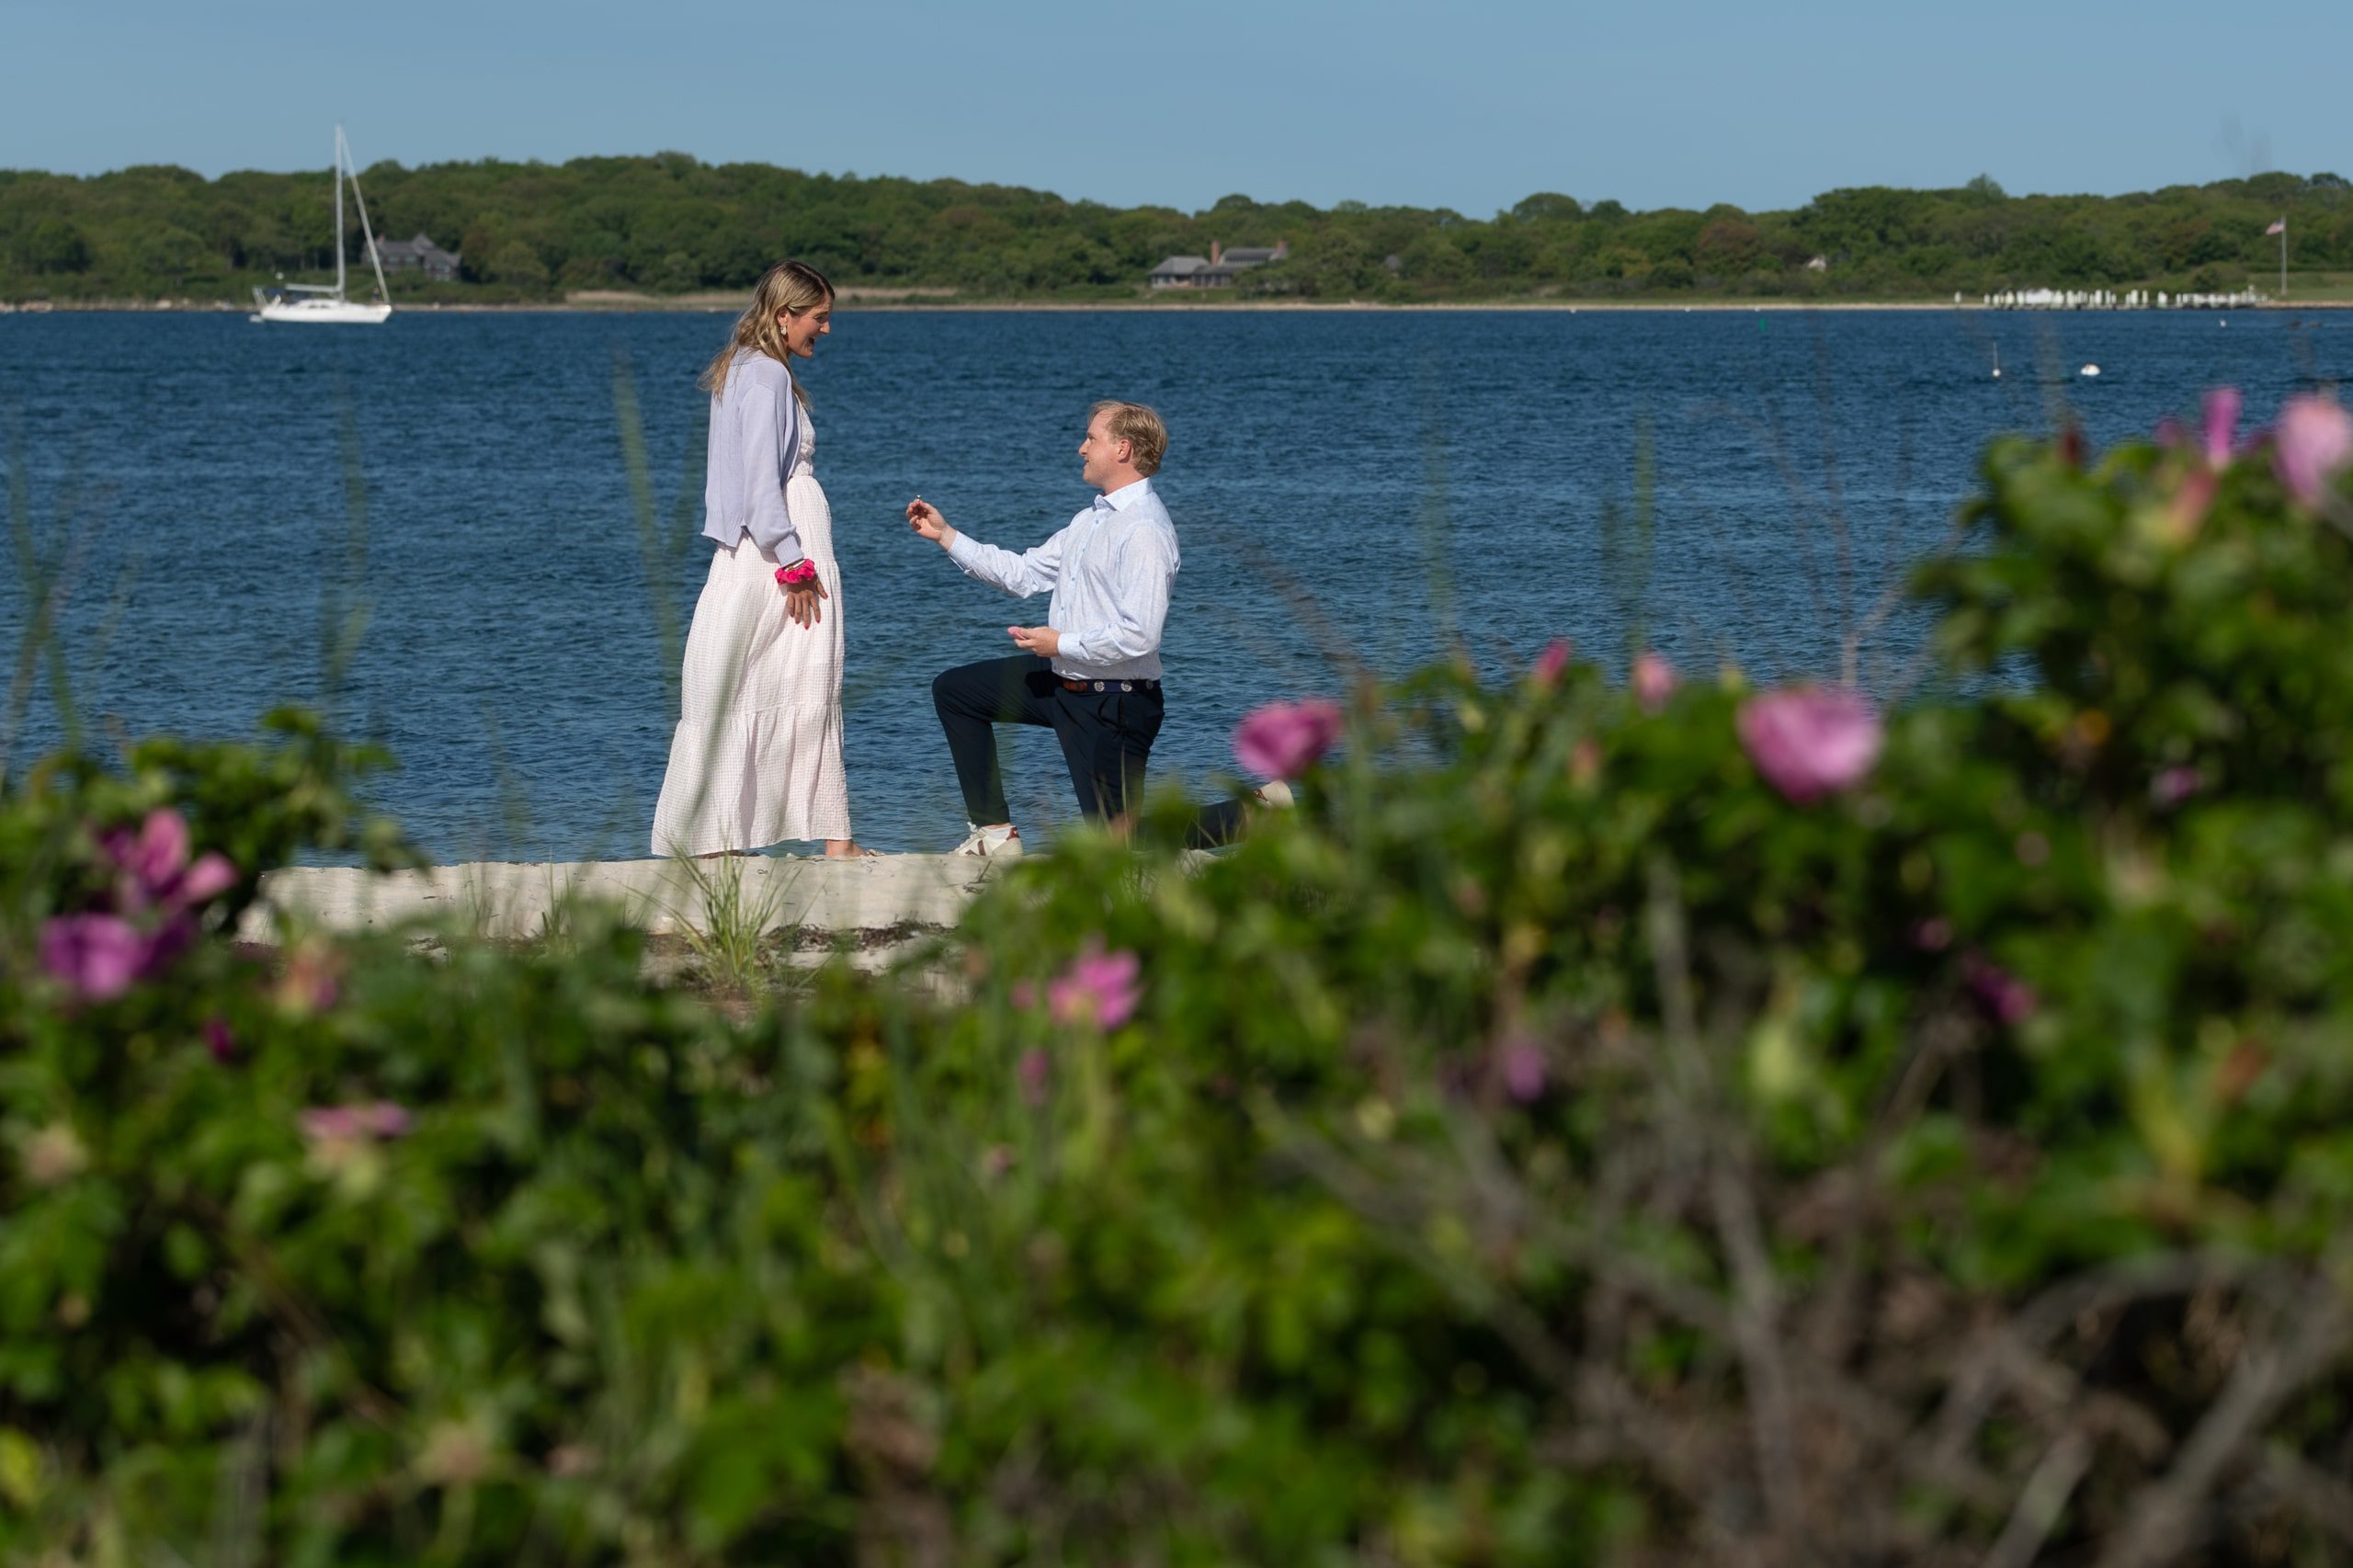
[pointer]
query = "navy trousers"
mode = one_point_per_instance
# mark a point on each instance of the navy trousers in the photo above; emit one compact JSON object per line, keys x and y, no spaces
{"x":1106,"y":737}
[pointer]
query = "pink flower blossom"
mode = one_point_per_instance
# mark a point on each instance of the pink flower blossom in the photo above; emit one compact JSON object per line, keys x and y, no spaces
{"x":2312,"y":444}
{"x":1552,"y":663}
{"x":2003,"y":995}
{"x":1522,"y":1062}
{"x":155,"y":869}
{"x":221,"y":1040}
{"x":354,"y":1122}
{"x":312,"y":979}
{"x":2190,"y":501}
{"x":1033,"y":1070}
{"x":211,"y":876}
{"x":1810,"y":741}
{"x":1654,"y":681}
{"x":2174,"y":785}
{"x":99,"y":956}
{"x":1099,"y":988}
{"x":1282,"y":740}
{"x":2220,"y":424}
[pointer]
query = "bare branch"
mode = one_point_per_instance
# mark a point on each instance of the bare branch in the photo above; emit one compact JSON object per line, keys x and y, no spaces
{"x":2162,"y":1520}
{"x":2041,"y":1502}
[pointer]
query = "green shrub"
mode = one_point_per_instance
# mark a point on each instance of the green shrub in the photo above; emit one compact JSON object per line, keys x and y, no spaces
{"x":1601,"y":1124}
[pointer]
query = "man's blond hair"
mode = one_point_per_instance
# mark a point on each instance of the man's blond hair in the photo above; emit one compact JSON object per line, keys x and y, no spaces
{"x":1139,"y":427}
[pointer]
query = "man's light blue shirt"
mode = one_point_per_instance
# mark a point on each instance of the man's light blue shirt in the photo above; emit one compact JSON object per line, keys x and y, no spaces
{"x":1110,"y":571}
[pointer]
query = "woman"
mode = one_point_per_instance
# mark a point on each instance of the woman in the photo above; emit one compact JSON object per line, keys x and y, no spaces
{"x":758,"y":755}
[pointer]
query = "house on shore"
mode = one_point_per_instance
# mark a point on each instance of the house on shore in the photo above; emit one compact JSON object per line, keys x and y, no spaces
{"x":419,"y":254}
{"x":1219,"y":269}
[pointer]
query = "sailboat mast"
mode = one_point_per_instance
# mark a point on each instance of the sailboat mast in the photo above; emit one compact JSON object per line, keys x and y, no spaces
{"x":338,"y":212}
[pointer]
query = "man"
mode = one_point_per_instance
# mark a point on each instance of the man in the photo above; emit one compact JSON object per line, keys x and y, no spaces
{"x":1092,"y":673}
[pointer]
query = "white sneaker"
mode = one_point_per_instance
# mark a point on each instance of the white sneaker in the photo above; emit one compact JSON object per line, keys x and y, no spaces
{"x":992,"y":843}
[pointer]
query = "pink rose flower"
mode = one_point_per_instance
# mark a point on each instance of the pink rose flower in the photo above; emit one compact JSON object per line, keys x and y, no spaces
{"x":2003,"y":995}
{"x":1033,"y":1070}
{"x":1653,"y":681}
{"x":1522,"y":1063}
{"x":312,"y":979}
{"x":354,"y":1122}
{"x":2220,"y":424}
{"x":1810,"y":741}
{"x":1099,"y":988}
{"x":1552,"y":663}
{"x":155,"y":869}
{"x":98,"y":956}
{"x":1282,"y":740}
{"x":2310,"y":446}
{"x":2190,"y":502}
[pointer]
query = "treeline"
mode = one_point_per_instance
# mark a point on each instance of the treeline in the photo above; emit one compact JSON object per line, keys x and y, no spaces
{"x":669,"y":224}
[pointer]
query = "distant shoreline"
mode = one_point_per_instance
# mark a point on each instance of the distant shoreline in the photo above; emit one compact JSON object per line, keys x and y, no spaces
{"x":920,"y":301}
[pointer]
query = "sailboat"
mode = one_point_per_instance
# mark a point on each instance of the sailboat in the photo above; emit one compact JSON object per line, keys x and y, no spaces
{"x":317,"y":302}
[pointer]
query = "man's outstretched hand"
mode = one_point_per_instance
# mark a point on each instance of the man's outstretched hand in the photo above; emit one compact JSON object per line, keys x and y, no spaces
{"x":925,"y":518}
{"x":1043,"y":641}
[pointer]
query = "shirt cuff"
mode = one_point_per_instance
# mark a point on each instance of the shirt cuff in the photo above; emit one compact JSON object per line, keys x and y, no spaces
{"x":962,"y":549}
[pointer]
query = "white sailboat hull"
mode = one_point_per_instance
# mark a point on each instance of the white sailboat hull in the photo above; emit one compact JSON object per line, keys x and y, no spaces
{"x":315,"y":302}
{"x":324,"y":312}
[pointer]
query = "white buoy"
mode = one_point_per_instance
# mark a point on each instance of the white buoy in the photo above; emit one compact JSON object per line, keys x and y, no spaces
{"x":2090,"y":371}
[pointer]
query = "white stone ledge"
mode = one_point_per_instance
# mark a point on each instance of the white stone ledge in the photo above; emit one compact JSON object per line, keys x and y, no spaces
{"x":499,"y":899}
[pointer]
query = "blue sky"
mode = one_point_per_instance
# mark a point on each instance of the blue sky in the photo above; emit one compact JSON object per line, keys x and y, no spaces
{"x":1471,"y":104}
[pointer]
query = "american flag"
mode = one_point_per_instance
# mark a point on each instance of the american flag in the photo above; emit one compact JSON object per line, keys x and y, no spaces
{"x":2278,"y":228}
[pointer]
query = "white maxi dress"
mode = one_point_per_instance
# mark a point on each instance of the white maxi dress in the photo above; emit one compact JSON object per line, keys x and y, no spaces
{"x":756,"y":758}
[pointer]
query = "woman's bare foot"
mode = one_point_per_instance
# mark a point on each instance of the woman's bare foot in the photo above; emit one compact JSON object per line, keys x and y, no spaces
{"x":847,"y":849}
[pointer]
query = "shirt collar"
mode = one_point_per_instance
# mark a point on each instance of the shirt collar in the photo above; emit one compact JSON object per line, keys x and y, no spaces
{"x":1127,"y":496}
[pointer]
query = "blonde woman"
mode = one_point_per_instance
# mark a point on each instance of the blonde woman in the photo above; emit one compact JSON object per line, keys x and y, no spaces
{"x":756,"y":758}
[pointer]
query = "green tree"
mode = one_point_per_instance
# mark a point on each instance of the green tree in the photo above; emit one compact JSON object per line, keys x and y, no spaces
{"x":1547,"y":207}
{"x":53,"y":246}
{"x":519,"y":265}
{"x":170,"y":255}
{"x":1728,"y":247}
{"x":1433,"y":259}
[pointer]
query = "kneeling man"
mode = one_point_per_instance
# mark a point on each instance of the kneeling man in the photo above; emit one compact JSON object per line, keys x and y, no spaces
{"x":1092,"y":673}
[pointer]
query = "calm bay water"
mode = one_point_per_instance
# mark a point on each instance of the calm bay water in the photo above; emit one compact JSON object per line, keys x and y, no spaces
{"x":1360,"y":482}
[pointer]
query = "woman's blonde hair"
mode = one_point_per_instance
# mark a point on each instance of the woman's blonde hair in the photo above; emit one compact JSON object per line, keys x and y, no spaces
{"x":793,"y":286}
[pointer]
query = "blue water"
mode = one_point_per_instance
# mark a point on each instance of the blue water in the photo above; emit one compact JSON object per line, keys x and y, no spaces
{"x":1346,"y":485}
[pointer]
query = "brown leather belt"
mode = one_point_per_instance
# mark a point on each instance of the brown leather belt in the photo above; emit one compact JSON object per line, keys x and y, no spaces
{"x":1070,"y":684}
